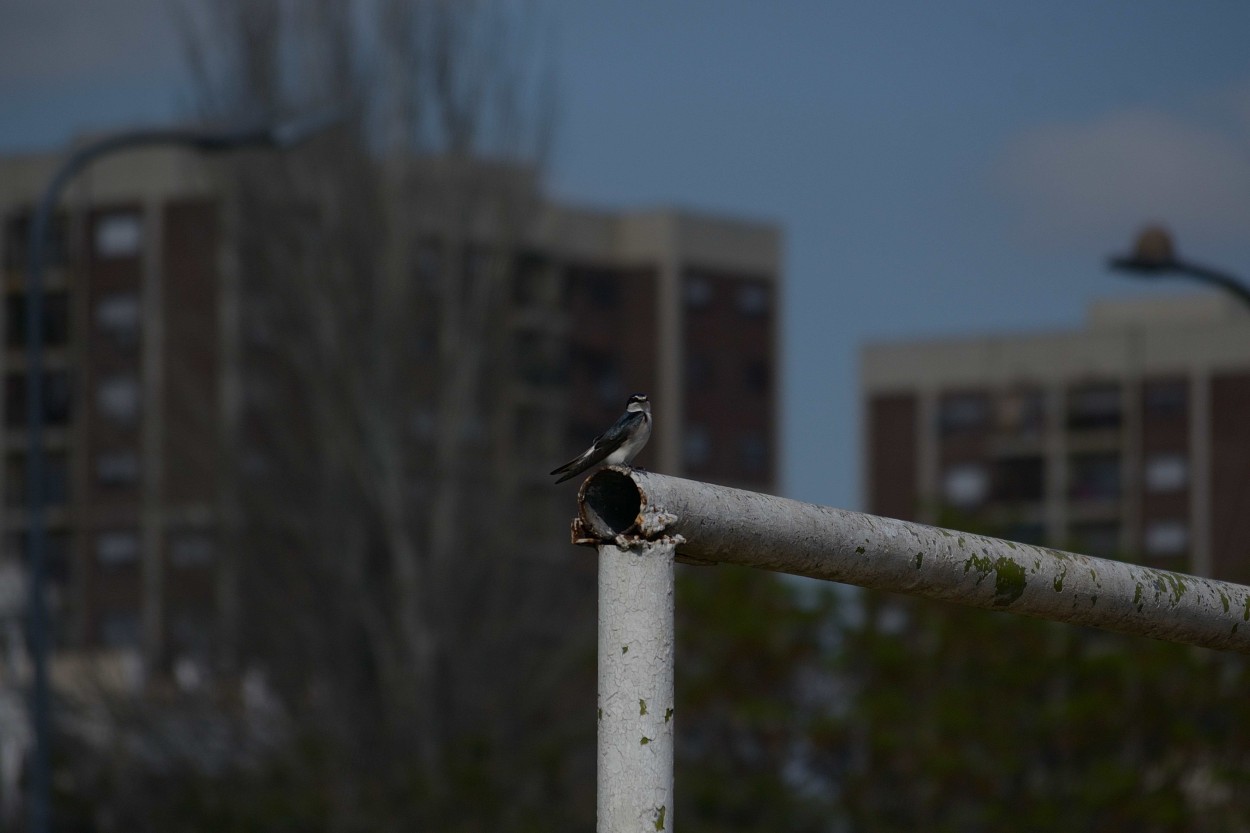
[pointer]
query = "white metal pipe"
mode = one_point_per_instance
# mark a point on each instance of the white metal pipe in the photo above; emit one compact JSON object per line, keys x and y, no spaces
{"x":719,"y":524}
{"x":635,"y":778}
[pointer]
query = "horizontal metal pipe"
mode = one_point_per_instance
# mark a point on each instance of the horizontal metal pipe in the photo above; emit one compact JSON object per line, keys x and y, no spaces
{"x":720,"y":524}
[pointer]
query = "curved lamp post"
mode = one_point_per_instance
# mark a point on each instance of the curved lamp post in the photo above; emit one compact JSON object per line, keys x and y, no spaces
{"x":1154,"y":256}
{"x":277,"y":136}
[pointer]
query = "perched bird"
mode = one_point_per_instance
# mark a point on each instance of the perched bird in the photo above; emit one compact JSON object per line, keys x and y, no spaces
{"x":619,"y":444}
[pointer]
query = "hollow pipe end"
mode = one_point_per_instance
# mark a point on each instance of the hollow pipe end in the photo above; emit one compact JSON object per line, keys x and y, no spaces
{"x":613,"y":507}
{"x":609,"y":503}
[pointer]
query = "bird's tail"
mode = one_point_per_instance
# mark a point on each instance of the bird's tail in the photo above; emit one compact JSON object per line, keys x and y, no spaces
{"x":569,"y":467}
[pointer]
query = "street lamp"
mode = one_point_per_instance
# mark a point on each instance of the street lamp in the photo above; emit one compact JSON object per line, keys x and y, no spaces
{"x":1154,"y":256}
{"x":206,"y":140}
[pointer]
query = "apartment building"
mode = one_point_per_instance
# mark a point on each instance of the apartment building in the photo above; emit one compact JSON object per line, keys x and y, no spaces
{"x":142,"y":333}
{"x":682,"y":306}
{"x":1128,"y":438}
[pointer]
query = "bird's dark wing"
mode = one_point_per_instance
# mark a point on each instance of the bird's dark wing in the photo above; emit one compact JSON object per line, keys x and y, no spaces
{"x":604,"y":444}
{"x":590,"y":457}
{"x":619,"y":432}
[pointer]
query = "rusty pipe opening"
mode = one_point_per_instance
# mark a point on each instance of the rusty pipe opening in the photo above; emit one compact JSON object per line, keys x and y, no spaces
{"x":610,"y":502}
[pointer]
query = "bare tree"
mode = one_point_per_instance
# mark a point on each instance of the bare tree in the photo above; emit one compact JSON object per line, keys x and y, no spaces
{"x":368,"y":462}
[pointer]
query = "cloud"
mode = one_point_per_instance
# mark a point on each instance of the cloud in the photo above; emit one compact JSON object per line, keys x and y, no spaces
{"x":1094,"y":182}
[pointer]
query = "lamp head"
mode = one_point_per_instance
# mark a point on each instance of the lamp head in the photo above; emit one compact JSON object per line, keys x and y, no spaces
{"x":1153,"y":251}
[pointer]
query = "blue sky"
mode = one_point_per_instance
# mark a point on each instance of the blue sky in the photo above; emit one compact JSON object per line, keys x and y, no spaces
{"x":938,"y":168}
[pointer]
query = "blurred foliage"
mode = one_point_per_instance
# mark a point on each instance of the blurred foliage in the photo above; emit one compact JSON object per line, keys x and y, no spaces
{"x":800,"y":707}
{"x":748,"y":646}
{"x":307,"y":784}
{"x":966,"y":719}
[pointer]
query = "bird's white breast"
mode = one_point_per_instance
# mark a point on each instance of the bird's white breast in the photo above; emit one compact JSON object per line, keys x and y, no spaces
{"x":630,"y":448}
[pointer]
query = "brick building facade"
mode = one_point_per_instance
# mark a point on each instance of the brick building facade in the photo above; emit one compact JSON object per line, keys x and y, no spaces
{"x":1127,"y":438}
{"x":142,"y":333}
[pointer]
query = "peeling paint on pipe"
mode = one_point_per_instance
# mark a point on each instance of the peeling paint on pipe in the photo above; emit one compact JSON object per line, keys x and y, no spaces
{"x":720,"y":524}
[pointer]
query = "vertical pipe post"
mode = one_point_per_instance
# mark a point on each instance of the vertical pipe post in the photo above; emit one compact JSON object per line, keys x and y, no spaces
{"x":635,"y":776}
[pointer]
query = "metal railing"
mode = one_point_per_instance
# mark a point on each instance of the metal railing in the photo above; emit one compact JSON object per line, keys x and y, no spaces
{"x":643,"y":522}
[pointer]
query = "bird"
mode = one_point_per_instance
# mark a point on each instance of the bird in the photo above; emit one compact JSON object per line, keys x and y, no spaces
{"x":619,"y":444}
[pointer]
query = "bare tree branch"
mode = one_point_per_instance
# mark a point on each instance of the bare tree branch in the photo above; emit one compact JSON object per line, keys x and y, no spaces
{"x":377,"y":378}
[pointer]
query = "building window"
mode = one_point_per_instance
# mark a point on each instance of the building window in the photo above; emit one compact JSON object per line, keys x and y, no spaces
{"x":1166,"y":472}
{"x":119,"y":629}
{"x":1026,"y":533}
{"x":117,"y":548}
{"x":753,"y":453}
{"x":17,"y":238}
{"x":700,"y":371}
{"x":191,"y":549}
{"x":56,"y":553}
{"x":1166,"y":400}
{"x":55,"y":319}
{"x":1094,"y":476}
{"x":117,"y":397}
{"x":191,"y":632}
{"x":603,"y":290}
{"x":479,"y":265}
{"x":696,"y":446}
{"x":1167,"y":538}
{"x":473,"y":430}
{"x":1022,"y":413}
{"x":604,"y":374}
{"x":1100,"y":538}
{"x":960,"y":413}
{"x":699,"y":293}
{"x":256,"y":463}
{"x":55,"y":479}
{"x":56,"y":398}
{"x":610,"y":388}
{"x":423,"y":423}
{"x":15,"y":321}
{"x":754,"y":300}
{"x":117,"y":315}
{"x":15,"y":400}
{"x":1019,"y":479}
{"x":529,"y":357}
{"x":57,"y":392}
{"x":530,"y":279}
{"x":528,"y":425}
{"x":427,"y":269}
{"x":965,"y":485}
{"x":15,"y":480}
{"x":757,"y":376}
{"x":1094,"y":407}
{"x":539,"y":359}
{"x":117,"y":468}
{"x":118,"y":234}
